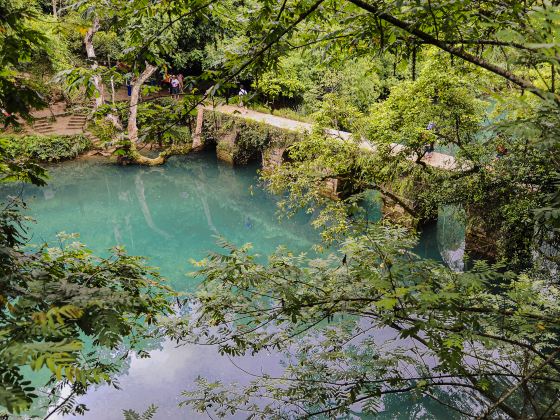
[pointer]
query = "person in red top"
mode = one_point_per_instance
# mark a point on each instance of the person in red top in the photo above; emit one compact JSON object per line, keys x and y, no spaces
{"x":6,"y":116}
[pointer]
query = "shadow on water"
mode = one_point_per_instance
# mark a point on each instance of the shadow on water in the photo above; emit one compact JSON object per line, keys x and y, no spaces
{"x":171,"y":214}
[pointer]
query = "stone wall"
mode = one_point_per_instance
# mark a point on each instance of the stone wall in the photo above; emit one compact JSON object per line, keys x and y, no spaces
{"x":239,"y":140}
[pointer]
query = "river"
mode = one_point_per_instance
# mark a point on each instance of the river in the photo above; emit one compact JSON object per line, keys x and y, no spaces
{"x":171,"y":214}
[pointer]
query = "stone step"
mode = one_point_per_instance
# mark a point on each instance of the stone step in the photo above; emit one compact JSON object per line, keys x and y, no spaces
{"x":92,"y":137}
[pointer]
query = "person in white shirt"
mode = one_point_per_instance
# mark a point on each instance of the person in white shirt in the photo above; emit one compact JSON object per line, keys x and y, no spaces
{"x":175,"y":87}
{"x":242,"y":93}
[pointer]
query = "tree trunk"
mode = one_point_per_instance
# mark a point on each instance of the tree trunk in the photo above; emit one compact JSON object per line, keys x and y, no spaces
{"x":134,"y":155}
{"x":54,"y":8}
{"x":136,"y":84}
{"x":90,"y":51}
{"x":113,"y":91}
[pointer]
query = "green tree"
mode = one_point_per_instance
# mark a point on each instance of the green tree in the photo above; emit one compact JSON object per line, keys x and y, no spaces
{"x":61,"y":306}
{"x":18,"y":40}
{"x":374,"y":319}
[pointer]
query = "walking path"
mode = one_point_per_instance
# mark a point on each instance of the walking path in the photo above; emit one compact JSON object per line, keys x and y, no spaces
{"x":56,"y":121}
{"x":435,"y":159}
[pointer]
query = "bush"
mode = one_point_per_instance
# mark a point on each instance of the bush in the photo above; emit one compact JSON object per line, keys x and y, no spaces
{"x":338,"y":113}
{"x":180,"y":135}
{"x":51,"y":148}
{"x":292,"y":114}
{"x":103,"y":129}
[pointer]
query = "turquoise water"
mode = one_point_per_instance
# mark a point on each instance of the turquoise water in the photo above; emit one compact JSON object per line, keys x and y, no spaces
{"x":172,"y":214}
{"x":169,"y":214}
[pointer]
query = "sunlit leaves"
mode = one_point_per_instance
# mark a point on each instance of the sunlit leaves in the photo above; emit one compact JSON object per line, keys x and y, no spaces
{"x":18,"y":39}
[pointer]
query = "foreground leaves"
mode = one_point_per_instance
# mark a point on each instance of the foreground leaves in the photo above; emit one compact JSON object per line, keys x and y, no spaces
{"x":376,"y":320}
{"x":61,"y":306}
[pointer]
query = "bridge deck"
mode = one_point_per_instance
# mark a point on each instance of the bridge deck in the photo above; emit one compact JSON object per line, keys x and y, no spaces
{"x":437,"y":160}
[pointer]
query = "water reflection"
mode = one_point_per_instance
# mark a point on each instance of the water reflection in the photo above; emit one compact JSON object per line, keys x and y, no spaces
{"x":174,"y":213}
{"x":451,"y":236}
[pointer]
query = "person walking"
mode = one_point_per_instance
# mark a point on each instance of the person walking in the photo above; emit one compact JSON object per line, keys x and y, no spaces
{"x":175,"y":87}
{"x":242,"y":94}
{"x":429,"y":148}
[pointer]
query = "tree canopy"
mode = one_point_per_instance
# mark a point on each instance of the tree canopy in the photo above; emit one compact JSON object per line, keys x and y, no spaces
{"x":367,"y":319}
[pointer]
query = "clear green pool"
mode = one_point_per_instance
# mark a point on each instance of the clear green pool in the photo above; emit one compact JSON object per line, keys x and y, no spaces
{"x":172,"y":214}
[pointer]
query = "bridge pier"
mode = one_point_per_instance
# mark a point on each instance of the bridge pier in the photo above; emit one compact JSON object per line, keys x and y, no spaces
{"x":226,"y":147}
{"x":480,"y":239}
{"x":273,"y":157}
{"x":404,"y":208}
{"x":197,"y":143}
{"x":240,"y":140}
{"x":331,"y":188}
{"x":398,"y":211}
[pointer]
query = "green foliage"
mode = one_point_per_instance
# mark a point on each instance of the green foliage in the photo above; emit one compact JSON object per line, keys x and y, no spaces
{"x":338,"y":113}
{"x":146,"y":415}
{"x":303,"y":77}
{"x":45,"y":148}
{"x":55,"y":297}
{"x":350,"y":62}
{"x":441,"y":96}
{"x":283,"y":81}
{"x":18,"y":40}
{"x":162,"y":123}
{"x":291,"y":114}
{"x":356,"y":81}
{"x":103,"y":129}
{"x":107,"y":45}
{"x":370,"y":320}
{"x":374,"y":319}
{"x":52,"y":300}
